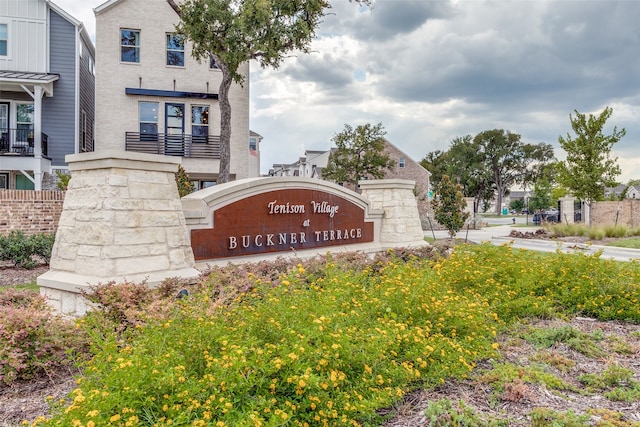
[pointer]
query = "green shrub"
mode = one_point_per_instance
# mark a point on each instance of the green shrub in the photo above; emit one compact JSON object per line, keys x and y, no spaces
{"x":308,"y":347}
{"x":63,"y":180}
{"x":184,"y":183}
{"x":34,"y":342}
{"x":26,"y":251}
{"x":443,"y":413}
{"x":586,"y":344}
{"x":544,"y":417}
{"x":616,"y":230}
{"x":332,"y":340}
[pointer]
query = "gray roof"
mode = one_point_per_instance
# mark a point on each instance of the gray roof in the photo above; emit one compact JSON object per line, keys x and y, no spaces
{"x":23,"y":77}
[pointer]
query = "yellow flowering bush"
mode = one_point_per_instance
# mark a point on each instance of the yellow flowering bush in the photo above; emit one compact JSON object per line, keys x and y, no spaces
{"x":331,"y":346}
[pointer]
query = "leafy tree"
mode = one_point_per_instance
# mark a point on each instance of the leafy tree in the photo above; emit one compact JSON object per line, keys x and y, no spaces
{"x":360,"y":153}
{"x":437,"y":163}
{"x":542,"y":197}
{"x":235,"y":31}
{"x":589,"y":167}
{"x":463,"y":163}
{"x":516,"y":205}
{"x":510,"y":161}
{"x":449,"y":205}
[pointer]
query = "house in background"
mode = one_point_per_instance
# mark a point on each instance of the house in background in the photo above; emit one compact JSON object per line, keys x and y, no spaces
{"x":630,"y":192}
{"x":47,"y":65}
{"x":154,"y":97}
{"x":254,"y":154}
{"x":309,"y":165}
{"x":314,"y":161}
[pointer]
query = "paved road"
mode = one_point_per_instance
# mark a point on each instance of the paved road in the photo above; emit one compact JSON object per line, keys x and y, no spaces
{"x":499,"y":235}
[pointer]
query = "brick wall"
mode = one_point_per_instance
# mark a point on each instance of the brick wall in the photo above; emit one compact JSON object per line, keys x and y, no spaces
{"x":30,"y":211}
{"x":626,"y":211}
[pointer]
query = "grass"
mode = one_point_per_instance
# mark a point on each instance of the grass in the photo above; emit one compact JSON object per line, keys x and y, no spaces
{"x":631,"y":243}
{"x":331,"y":341}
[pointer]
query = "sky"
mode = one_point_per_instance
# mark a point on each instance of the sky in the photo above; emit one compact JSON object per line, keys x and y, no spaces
{"x":431,"y":71}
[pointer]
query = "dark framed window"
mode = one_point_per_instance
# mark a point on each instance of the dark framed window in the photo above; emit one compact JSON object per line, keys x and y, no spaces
{"x":24,"y":122}
{"x":175,"y":50}
{"x":4,"y":39}
{"x":213,"y":64}
{"x":200,"y":123}
{"x":4,"y":180}
{"x":148,"y":121}
{"x":83,"y":129}
{"x":130,"y":45}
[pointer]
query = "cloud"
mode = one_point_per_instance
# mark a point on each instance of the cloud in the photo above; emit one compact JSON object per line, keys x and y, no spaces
{"x":432,"y":71}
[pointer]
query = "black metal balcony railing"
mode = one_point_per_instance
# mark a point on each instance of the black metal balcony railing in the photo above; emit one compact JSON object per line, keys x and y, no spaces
{"x":21,"y":142}
{"x":174,"y":145}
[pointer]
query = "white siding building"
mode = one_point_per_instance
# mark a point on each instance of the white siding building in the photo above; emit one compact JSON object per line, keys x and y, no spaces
{"x":47,"y":89}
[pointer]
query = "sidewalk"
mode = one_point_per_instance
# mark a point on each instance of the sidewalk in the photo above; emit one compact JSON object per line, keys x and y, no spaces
{"x":499,"y":235}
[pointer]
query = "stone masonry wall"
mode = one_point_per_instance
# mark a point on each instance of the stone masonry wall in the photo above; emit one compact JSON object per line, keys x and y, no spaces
{"x":30,"y":211}
{"x":624,"y":212}
{"x":401,"y":225}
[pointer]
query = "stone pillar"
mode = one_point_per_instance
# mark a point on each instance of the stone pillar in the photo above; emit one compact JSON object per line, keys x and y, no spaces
{"x":121,"y":220}
{"x":567,"y":209}
{"x":400,"y":225}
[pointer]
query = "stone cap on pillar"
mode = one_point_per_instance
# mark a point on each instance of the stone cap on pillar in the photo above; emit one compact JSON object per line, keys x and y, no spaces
{"x":387,"y":183}
{"x":108,"y":159}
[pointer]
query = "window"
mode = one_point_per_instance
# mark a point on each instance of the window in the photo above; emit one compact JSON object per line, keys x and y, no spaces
{"x":213,"y":64}
{"x":83,"y":141}
{"x":200,"y":123}
{"x":24,"y":120}
{"x":4,"y":38}
{"x":207,"y":184}
{"x":4,"y":180}
{"x":253,"y":147}
{"x":175,"y":50}
{"x":401,"y":162}
{"x":129,"y":45}
{"x":148,"y":121}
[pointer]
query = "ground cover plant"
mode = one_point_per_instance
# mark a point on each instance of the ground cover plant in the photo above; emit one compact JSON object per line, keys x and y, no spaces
{"x":336,"y":340}
{"x":621,"y":235}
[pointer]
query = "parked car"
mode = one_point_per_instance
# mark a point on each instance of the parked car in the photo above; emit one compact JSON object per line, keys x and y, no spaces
{"x":552,"y":215}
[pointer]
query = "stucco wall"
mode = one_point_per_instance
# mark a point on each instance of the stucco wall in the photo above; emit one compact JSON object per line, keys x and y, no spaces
{"x":30,"y":211}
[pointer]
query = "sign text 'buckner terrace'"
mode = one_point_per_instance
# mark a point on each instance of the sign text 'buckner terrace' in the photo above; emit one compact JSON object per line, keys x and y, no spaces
{"x":282,"y":220}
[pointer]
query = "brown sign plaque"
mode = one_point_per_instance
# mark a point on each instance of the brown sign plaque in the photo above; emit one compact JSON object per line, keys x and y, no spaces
{"x":282,"y":220}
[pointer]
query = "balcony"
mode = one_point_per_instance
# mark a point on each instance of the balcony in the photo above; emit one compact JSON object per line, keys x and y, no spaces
{"x":19,"y":142}
{"x":174,"y":145}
